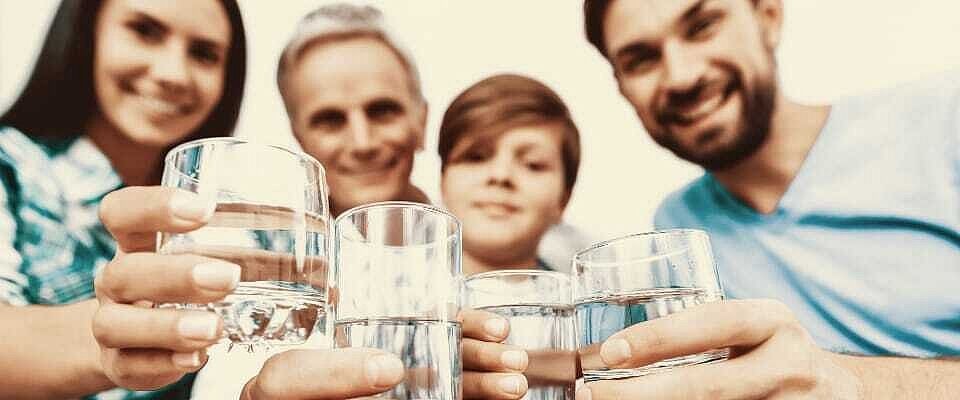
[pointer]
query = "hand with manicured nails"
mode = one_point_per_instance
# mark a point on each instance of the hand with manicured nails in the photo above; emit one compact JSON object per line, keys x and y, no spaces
{"x":147,"y":348}
{"x":772,"y":357}
{"x":491,"y":370}
{"x":144,"y":347}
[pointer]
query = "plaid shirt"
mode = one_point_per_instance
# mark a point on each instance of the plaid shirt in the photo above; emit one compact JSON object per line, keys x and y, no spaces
{"x":51,"y":240}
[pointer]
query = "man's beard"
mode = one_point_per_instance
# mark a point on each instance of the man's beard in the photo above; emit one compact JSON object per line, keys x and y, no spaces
{"x":757,"y":112}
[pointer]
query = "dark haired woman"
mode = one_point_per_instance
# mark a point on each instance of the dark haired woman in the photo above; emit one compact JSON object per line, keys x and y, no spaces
{"x":117,"y":83}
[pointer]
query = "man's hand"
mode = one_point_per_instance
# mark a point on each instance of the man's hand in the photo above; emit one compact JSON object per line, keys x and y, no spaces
{"x":324,"y":374}
{"x":772,"y":357}
{"x":144,"y":347}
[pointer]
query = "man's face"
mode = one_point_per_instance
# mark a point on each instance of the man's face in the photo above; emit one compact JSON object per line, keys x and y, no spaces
{"x":699,"y":73}
{"x":352,"y":107}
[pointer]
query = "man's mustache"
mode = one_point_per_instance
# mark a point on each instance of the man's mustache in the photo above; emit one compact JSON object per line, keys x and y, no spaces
{"x":679,"y":101}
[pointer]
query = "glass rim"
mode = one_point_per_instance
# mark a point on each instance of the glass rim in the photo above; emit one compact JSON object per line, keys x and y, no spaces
{"x":578,"y":257}
{"x":392,"y":204}
{"x":517,"y":272}
{"x":321,"y":172}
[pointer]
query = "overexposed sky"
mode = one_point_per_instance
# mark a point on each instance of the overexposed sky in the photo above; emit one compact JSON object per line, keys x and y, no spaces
{"x":830,"y":48}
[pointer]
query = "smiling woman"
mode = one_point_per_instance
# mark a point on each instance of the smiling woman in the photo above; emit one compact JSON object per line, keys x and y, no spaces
{"x":117,"y":83}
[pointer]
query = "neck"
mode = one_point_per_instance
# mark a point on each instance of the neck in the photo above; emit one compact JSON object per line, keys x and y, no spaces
{"x":761,"y":180}
{"x":135,"y":163}
{"x":475,"y":264}
{"x":411,"y":193}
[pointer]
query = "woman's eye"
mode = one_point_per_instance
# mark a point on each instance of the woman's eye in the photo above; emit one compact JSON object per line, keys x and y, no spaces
{"x":147,"y":31}
{"x":205,"y":53}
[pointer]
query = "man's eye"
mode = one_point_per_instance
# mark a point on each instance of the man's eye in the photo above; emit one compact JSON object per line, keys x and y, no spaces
{"x":328,"y":120}
{"x":639,"y":63}
{"x":384,"y":110}
{"x":703,"y":27}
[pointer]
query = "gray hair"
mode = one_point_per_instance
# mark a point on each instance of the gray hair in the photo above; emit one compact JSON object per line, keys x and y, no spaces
{"x":342,"y":21}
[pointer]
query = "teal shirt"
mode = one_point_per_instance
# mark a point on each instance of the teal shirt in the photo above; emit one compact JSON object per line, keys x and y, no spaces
{"x":864,"y":246}
{"x":52,"y":243}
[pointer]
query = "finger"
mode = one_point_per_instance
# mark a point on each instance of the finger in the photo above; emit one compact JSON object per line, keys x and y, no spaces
{"x":701,"y":328}
{"x":121,"y":326}
{"x":134,"y":214}
{"x":477,"y":385}
{"x":733,"y":379}
{"x":325,"y":374}
{"x":167,"y":278}
{"x":147,"y":369}
{"x":493,"y":357}
{"x":484,"y":325}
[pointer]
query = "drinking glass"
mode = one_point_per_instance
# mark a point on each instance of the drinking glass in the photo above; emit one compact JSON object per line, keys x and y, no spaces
{"x":636,"y":278}
{"x":539,"y":306}
{"x":271,"y":219}
{"x":399,"y":289}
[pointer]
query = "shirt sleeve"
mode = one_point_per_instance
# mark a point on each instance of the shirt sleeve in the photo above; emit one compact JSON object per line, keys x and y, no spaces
{"x":12,"y":281}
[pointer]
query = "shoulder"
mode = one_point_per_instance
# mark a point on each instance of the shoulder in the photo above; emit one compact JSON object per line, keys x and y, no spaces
{"x":20,"y":151}
{"x":682,"y":207}
{"x":934,"y":99}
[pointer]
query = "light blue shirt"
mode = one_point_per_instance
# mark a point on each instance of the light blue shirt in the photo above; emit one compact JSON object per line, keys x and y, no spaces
{"x":864,"y":246}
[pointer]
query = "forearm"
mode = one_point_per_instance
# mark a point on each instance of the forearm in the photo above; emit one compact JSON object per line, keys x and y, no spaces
{"x":49,"y":352}
{"x":903,"y":378}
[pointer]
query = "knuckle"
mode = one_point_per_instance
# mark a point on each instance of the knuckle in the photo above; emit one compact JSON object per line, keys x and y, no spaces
{"x":775,"y":310}
{"x":268,"y":382}
{"x":649,"y":337}
{"x":109,"y":279}
{"x":101,"y":327}
{"x":104,"y":210}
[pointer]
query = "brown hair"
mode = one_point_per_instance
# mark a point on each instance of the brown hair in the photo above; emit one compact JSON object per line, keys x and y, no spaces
{"x":502,"y":102}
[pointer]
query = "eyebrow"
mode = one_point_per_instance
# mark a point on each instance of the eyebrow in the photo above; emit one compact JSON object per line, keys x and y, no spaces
{"x":151,"y":20}
{"x":644,"y":47}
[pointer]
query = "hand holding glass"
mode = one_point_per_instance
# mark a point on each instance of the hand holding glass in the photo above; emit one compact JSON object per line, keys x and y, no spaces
{"x":271,"y":219}
{"x":629,"y":280}
{"x":539,"y":307}
{"x":397,"y":268}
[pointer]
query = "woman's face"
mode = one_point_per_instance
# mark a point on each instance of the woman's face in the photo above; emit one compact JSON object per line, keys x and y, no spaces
{"x":159,"y":66}
{"x":507,"y":192}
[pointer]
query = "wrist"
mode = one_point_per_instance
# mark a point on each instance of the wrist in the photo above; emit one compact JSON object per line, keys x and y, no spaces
{"x":851,"y":374}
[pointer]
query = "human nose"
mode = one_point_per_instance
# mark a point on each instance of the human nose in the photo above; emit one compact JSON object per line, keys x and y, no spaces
{"x":499,"y":172}
{"x":362,"y":138}
{"x":682,"y":68}
{"x":170,"y":68}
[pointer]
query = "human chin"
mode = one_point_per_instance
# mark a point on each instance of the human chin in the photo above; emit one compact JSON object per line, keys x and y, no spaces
{"x":145,"y":132}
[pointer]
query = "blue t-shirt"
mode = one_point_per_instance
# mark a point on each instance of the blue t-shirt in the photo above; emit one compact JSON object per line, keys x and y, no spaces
{"x":864,"y":246}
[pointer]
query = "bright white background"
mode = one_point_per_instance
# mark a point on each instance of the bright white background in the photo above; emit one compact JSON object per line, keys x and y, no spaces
{"x":830,"y":48}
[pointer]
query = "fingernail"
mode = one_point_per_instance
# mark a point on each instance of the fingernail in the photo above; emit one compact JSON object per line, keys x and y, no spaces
{"x":384,"y":370}
{"x":198,"y":325}
{"x":613,"y":352}
{"x":217,"y":275}
{"x":584,"y":394}
{"x":187,"y":360}
{"x":496,"y":327}
{"x":511,"y":384}
{"x":514,"y":359}
{"x":190,"y":206}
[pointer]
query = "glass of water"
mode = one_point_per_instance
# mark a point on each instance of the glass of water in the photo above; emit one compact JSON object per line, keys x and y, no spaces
{"x":637,"y":278}
{"x":539,"y":306}
{"x":399,"y":289}
{"x":271,"y":219}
